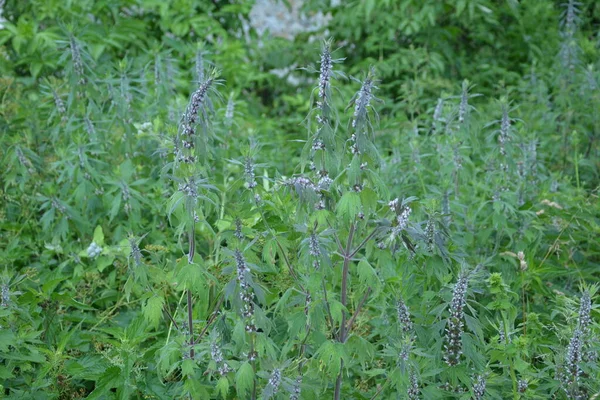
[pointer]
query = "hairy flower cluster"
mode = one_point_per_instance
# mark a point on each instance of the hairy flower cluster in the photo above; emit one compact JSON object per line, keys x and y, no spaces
{"x":59,"y":207}
{"x":314,"y":248}
{"x":402,"y":219}
{"x":94,"y":250}
{"x":296,"y":388}
{"x":303,"y":185}
{"x":59,"y":103}
{"x":24,"y":160}
{"x":454,"y":327}
{"x":275,"y":380}
{"x":238,"y":229}
{"x":430,"y":233}
{"x":479,"y":387}
{"x":393,"y":205}
{"x":76,"y":58}
{"x":325,"y":73}
{"x":189,"y":188}
{"x":413,"y":386}
{"x":585,"y":309}
{"x":5,"y":296}
{"x":246,"y":294}
{"x":136,"y":254}
{"x":249,"y":172}
{"x":522,"y":385}
{"x":195,"y":110}
{"x":573,"y":358}
{"x":217,"y":356}
{"x":403,"y":316}
{"x":363,"y":100}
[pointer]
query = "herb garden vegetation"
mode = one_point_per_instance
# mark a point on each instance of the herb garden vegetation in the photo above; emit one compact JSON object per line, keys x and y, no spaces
{"x":402,"y":204}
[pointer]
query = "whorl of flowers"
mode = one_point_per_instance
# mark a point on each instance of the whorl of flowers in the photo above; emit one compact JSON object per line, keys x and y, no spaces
{"x":5,"y":296}
{"x":585,"y":309}
{"x":454,"y":327}
{"x":402,"y":218}
{"x":430,"y":233}
{"x":249,"y":172}
{"x":238,"y":229}
{"x":393,"y":205}
{"x":59,"y":103}
{"x":573,"y":358}
{"x":246,"y":294}
{"x":76,"y":58}
{"x":522,"y":385}
{"x":314,"y":248}
{"x":363,"y":98}
{"x":413,"y":386}
{"x":275,"y":381}
{"x":242,"y":270}
{"x":479,"y":387}
{"x":196,"y":110}
{"x":296,"y":388}
{"x":136,"y":254}
{"x":189,"y":188}
{"x":24,"y":161}
{"x":403,"y":316}
{"x":325,"y":72}
{"x":217,"y":356}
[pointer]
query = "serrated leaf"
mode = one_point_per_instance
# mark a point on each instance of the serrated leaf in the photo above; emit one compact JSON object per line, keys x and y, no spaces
{"x":152,"y":310}
{"x":367,"y":275}
{"x":223,"y":387}
{"x":244,"y":379}
{"x":187,"y":367}
{"x":348,"y":206}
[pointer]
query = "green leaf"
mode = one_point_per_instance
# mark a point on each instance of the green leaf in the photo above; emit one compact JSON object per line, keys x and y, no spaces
{"x":244,"y":379}
{"x":188,"y":367}
{"x":349,"y":206}
{"x":223,"y":387}
{"x":152,"y":310}
{"x":99,"y":236}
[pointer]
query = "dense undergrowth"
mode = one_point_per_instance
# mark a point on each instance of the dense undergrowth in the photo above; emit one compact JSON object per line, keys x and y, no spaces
{"x":410,"y":210}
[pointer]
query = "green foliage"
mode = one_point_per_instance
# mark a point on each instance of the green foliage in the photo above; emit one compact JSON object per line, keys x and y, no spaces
{"x":409,"y":211}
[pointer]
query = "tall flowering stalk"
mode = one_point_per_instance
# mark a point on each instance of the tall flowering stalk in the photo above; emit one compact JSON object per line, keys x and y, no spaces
{"x":323,"y":146}
{"x":194,"y":135}
{"x":455,"y":326}
{"x":569,"y":49}
{"x":191,"y":144}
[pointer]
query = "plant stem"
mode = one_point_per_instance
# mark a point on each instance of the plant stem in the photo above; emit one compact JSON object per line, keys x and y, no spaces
{"x":190,"y":322}
{"x":344,"y":299}
{"x":191,"y":253}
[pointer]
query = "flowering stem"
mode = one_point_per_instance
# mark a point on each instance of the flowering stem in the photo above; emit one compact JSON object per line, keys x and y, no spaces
{"x":344,"y":299}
